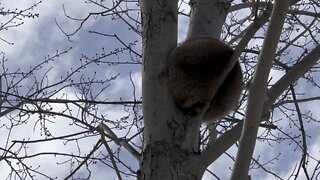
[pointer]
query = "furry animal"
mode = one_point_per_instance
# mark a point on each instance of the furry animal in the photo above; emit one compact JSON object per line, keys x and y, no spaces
{"x":194,"y":68}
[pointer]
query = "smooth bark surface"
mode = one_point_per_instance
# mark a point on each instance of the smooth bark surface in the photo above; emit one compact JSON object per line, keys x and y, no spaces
{"x":257,"y":92}
{"x":171,"y":139}
{"x":171,"y":146}
{"x":207,"y":18}
{"x":167,"y":146}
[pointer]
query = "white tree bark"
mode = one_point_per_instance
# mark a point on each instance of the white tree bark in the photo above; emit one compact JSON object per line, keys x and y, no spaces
{"x":207,"y":18}
{"x":171,"y":140}
{"x":225,"y":141}
{"x":257,"y":92}
{"x":167,"y":144}
{"x":159,"y":20}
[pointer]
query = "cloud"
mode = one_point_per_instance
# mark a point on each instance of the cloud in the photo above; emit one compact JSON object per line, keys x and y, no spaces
{"x":40,"y":37}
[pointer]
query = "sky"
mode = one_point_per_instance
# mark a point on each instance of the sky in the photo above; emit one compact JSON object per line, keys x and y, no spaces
{"x":41,"y":37}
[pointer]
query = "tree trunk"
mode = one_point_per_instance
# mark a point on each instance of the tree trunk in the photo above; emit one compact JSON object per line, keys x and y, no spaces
{"x":258,"y":89}
{"x":165,"y":151}
{"x":171,"y":140}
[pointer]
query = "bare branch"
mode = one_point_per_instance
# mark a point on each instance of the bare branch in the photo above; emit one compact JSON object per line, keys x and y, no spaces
{"x":257,"y":91}
{"x":303,"y":161}
{"x":293,"y":74}
{"x":94,"y":149}
{"x":120,"y":142}
{"x":110,"y":154}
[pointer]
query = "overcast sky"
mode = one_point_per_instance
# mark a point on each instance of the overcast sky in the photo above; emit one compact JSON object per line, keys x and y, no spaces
{"x":40,"y":37}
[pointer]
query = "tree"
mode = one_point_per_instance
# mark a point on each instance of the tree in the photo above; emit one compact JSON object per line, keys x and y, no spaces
{"x":14,"y":18}
{"x":268,"y":37}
